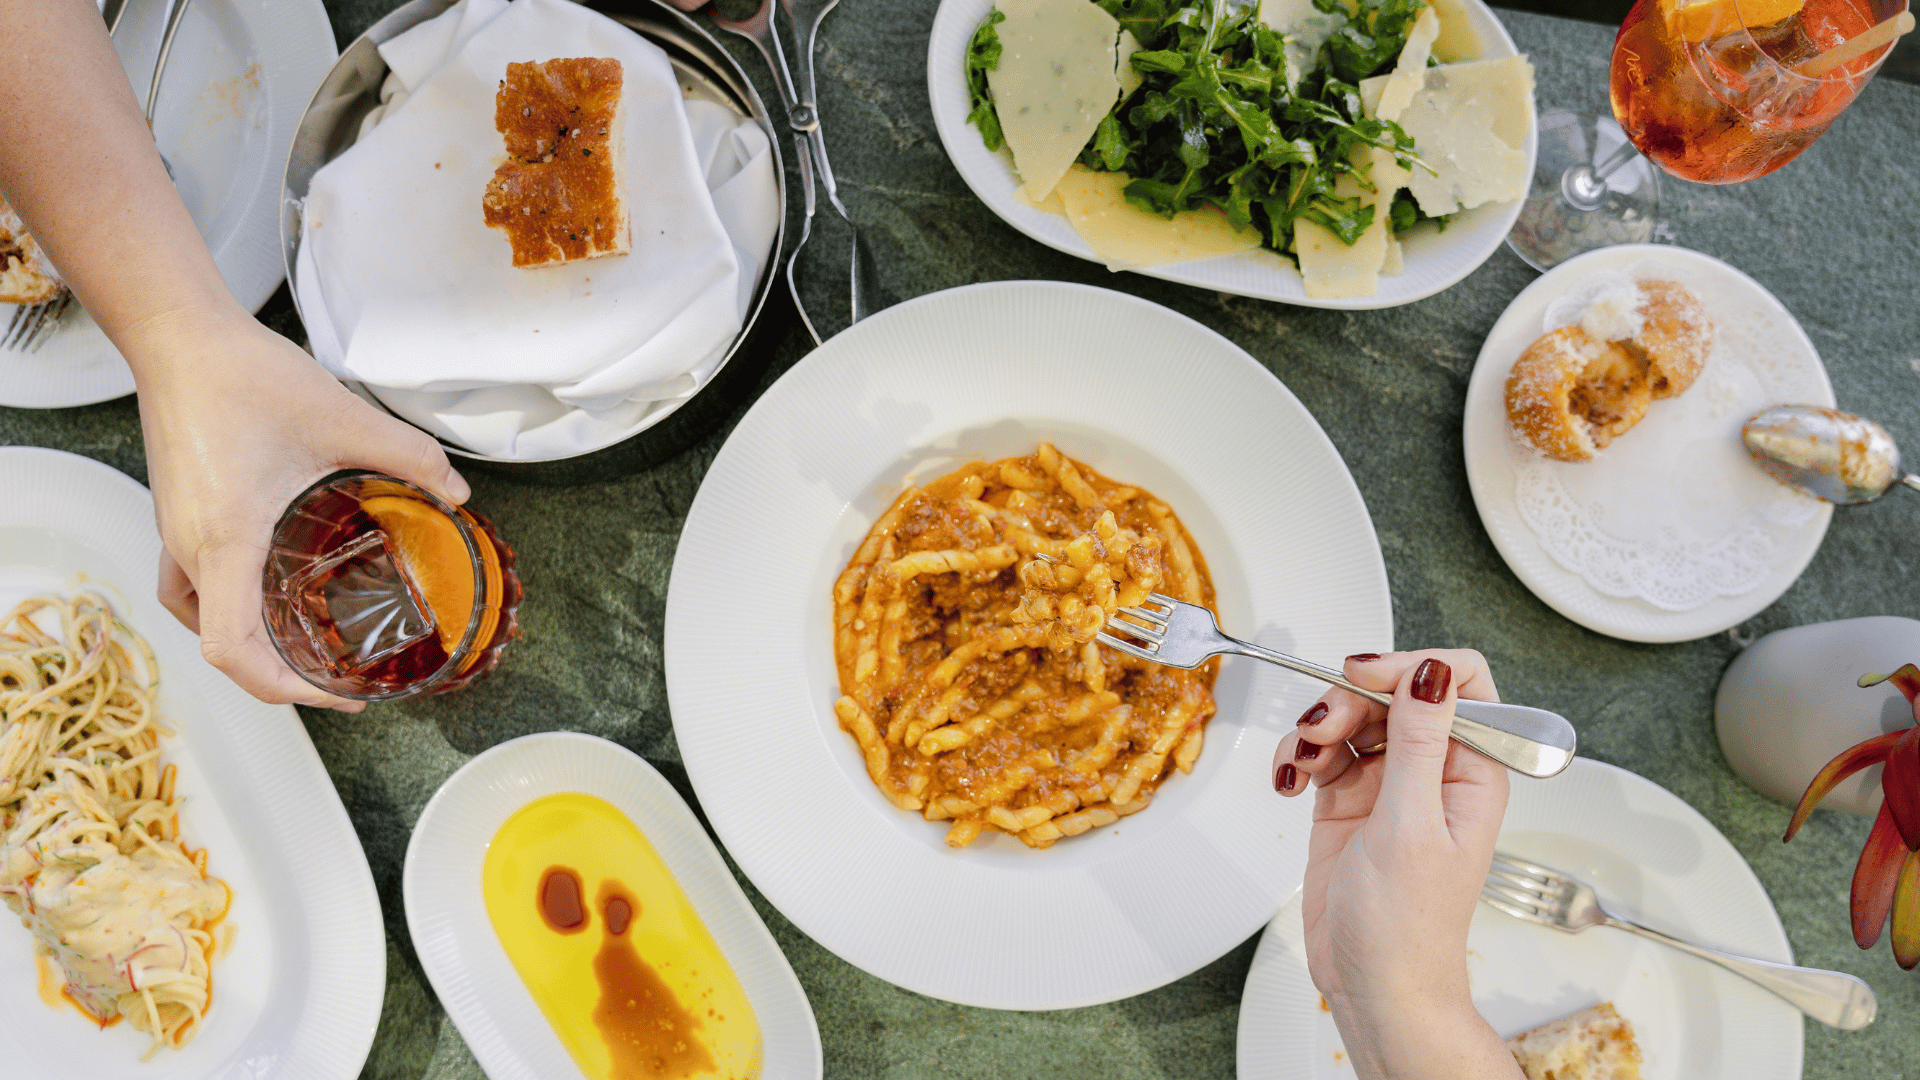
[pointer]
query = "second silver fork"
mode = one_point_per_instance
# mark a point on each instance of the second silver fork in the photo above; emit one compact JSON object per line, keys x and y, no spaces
{"x":1529,"y":891}
{"x":1527,"y":740}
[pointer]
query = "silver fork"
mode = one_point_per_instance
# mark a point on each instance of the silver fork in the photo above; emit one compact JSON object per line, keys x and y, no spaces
{"x":1527,"y":740}
{"x":1529,"y":891}
{"x":32,"y":325}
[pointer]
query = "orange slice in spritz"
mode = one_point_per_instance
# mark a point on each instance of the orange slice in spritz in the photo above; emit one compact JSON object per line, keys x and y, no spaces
{"x":434,"y":557}
{"x":1700,"y":20}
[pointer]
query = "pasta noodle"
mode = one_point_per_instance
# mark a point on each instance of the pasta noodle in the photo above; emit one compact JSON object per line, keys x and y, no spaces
{"x":90,"y":851}
{"x":964,"y":634}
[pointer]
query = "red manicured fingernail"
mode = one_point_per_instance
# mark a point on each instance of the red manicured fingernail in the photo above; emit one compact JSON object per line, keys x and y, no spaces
{"x":1283,"y":780}
{"x":1364,"y":657}
{"x":1314,"y":715}
{"x":1430,"y":681}
{"x":1306,"y":751}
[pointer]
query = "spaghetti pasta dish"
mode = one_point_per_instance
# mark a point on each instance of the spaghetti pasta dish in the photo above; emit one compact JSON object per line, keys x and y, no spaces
{"x":964,"y":635}
{"x":90,"y":850}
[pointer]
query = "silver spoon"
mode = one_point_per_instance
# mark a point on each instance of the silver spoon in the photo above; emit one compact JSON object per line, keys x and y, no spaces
{"x":1828,"y":454}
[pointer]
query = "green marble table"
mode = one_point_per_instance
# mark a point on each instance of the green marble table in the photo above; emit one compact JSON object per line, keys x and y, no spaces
{"x":1832,"y":235}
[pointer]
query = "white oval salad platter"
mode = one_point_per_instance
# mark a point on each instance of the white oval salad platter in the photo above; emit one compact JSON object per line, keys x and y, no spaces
{"x":1434,"y":260}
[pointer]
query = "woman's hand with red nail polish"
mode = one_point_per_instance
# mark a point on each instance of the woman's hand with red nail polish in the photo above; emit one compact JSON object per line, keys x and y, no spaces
{"x":1400,"y":846}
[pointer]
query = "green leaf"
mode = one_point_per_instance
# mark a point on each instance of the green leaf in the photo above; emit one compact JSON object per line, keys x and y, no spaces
{"x":983,"y":55}
{"x":1110,"y":144}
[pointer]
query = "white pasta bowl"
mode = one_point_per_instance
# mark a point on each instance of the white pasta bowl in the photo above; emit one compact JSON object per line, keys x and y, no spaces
{"x":1142,"y":395}
{"x":1435,"y":260}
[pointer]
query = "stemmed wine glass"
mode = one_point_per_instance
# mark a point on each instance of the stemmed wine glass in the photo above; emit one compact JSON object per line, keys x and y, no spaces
{"x":1716,"y":92}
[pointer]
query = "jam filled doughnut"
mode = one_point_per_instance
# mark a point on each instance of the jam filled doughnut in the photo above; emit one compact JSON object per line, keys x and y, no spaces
{"x":1570,"y":394}
{"x":1674,"y":339}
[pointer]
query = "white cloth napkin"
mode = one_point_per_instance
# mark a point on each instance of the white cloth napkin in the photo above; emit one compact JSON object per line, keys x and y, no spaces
{"x":407,"y":291}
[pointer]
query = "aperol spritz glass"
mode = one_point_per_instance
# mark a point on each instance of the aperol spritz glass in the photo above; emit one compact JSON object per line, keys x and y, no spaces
{"x":1713,"y":92}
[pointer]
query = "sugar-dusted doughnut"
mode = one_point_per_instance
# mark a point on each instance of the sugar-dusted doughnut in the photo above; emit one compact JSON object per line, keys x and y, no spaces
{"x":1675,"y":338}
{"x":1570,"y":394}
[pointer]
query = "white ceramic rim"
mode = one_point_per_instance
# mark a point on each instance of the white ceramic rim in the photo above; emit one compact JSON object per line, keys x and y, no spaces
{"x":1286,"y":1035}
{"x":1434,"y":260}
{"x":1141,"y":393}
{"x":470,"y":971}
{"x":249,"y":776}
{"x":1491,"y":477}
{"x":293,"y":50}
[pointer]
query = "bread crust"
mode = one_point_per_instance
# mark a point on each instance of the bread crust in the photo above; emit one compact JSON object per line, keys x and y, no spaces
{"x":1596,"y":1043}
{"x":560,"y":195}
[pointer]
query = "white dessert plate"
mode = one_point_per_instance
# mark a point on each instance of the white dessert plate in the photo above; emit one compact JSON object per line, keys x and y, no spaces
{"x":1708,"y":469}
{"x":462,"y":955}
{"x":1145,"y":396}
{"x":234,"y":89}
{"x":1434,"y":260}
{"x":298,"y":995}
{"x":1649,"y":854}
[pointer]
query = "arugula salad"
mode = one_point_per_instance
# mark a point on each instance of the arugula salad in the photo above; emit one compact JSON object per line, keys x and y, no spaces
{"x":1235,"y":114}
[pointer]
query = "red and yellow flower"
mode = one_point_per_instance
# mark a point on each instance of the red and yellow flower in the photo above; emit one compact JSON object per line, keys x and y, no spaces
{"x":1886,"y":881}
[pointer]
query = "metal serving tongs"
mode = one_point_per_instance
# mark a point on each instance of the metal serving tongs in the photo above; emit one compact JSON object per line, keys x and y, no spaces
{"x":758,"y":28}
{"x":803,"y":22}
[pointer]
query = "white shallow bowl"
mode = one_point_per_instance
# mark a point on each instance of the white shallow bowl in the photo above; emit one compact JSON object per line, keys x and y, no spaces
{"x":1434,"y":260}
{"x":1143,"y":395}
{"x":1651,"y":857}
{"x":298,"y":996}
{"x":234,"y":89}
{"x":470,"y":971}
{"x":1491,"y":475}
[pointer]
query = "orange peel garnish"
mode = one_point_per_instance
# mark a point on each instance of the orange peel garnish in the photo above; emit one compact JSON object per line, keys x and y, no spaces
{"x":434,"y":557}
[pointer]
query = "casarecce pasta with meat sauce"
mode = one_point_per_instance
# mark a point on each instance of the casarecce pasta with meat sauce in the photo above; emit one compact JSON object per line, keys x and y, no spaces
{"x":964,"y":636}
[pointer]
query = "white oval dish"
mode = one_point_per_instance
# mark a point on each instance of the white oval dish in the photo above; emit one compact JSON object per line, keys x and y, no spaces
{"x":1145,"y":396}
{"x":1492,"y":476}
{"x":1434,"y":260}
{"x":299,"y":993}
{"x":462,"y":955}
{"x":1652,"y":857}
{"x":233,"y":93}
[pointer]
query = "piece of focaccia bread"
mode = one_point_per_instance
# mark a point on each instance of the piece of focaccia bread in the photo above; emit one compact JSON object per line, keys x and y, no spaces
{"x":26,"y":275}
{"x":560,"y":196}
{"x":1592,"y":1044}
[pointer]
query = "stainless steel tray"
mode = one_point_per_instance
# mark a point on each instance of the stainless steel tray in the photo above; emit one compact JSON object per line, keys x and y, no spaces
{"x":706,"y":71}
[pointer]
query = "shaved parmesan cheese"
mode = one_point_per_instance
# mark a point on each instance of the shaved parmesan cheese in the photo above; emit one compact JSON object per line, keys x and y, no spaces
{"x":1127,"y":237}
{"x":1333,"y":270}
{"x":1396,"y":258}
{"x":1469,"y":123}
{"x":1130,"y":80}
{"x":1305,"y":27}
{"x":1458,"y":39}
{"x":1410,"y":73}
{"x":1054,"y":82}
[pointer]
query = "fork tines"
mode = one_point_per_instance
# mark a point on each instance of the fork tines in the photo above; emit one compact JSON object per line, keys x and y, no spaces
{"x":1520,"y":888}
{"x":1143,"y":623}
{"x":32,"y":325}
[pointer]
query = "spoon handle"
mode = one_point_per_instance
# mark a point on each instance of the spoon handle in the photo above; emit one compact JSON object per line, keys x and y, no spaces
{"x":1911,"y":481}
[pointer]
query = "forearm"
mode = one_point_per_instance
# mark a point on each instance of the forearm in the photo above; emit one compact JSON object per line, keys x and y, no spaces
{"x":1425,"y":1041}
{"x":79,"y":164}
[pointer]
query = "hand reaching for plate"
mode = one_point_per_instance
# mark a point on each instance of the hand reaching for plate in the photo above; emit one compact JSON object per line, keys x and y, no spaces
{"x":1401,"y":844}
{"x":238,"y":421}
